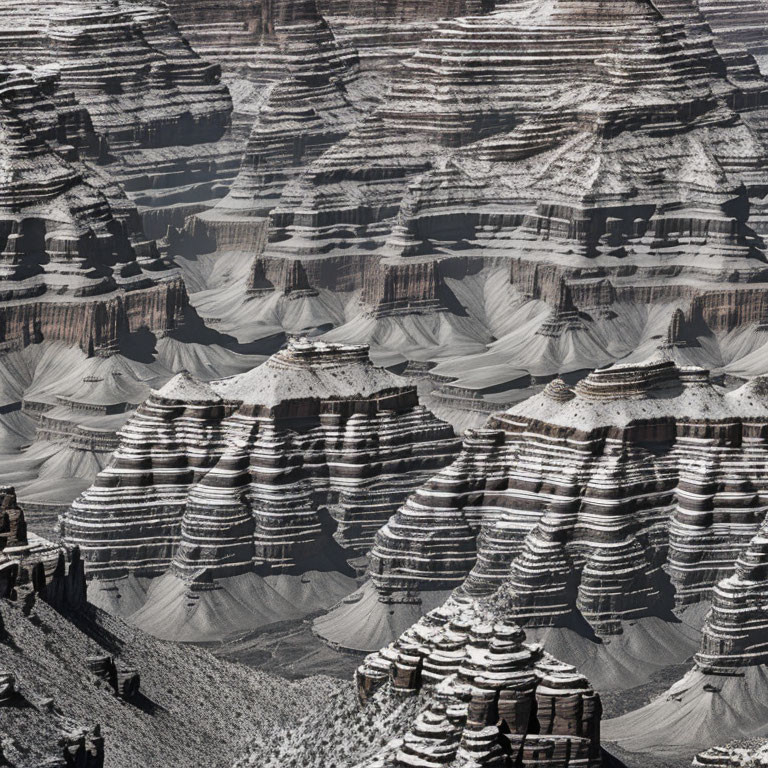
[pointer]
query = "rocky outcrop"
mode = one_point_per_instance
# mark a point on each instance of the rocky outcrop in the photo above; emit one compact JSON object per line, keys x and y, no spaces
{"x":582,"y":510}
{"x":311,"y":99}
{"x":248,"y":480}
{"x":31,"y":565}
{"x":494,"y":699}
{"x":455,"y":689}
{"x":62,"y":675}
{"x":546,"y":206}
{"x":157,"y":106}
{"x":721,"y":698}
{"x":736,"y":755}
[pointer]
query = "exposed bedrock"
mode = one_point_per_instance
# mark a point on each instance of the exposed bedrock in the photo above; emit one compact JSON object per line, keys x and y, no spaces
{"x":738,"y":27}
{"x":494,"y":699}
{"x":246,"y":497}
{"x":32,"y":566}
{"x":63,"y":673}
{"x":494,"y":208}
{"x":387,"y":33}
{"x":734,"y":755}
{"x":594,"y":511}
{"x":722,"y":697}
{"x":160,"y":108}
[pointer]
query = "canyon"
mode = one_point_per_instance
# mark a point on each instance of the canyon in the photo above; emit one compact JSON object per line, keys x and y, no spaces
{"x":425,"y":340}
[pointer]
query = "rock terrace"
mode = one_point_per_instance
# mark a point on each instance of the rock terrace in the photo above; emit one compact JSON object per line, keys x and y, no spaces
{"x":235,"y":489}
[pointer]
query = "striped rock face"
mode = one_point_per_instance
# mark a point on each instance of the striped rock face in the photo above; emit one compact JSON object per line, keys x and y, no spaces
{"x":240,"y":478}
{"x":635,"y":490}
{"x":561,"y":175}
{"x":387,"y":33}
{"x":313,"y":102}
{"x":492,"y":699}
{"x":735,"y":630}
{"x":160,"y":107}
{"x":75,"y":265}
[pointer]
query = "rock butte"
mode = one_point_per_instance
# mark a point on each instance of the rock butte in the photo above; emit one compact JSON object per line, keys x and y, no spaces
{"x":226,"y":496}
{"x":468,"y":693}
{"x":585,"y":514}
{"x":561,"y":229}
{"x":108,"y":98}
{"x":75,"y":265}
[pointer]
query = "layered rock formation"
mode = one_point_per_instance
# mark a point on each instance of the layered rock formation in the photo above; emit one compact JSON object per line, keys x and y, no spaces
{"x":546,"y":206}
{"x":454,"y":690}
{"x":496,"y":700}
{"x":723,"y":696}
{"x":737,"y":755}
{"x":388,"y":33}
{"x":159,"y":109}
{"x":590,"y":511}
{"x":311,"y":98}
{"x":31,"y":565}
{"x":75,"y":266}
{"x":233,"y":492}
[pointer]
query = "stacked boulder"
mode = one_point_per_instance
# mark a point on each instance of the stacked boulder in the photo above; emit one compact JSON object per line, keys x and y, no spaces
{"x":253,"y":492}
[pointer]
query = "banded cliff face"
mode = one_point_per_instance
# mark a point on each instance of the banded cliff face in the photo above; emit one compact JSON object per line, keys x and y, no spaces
{"x":160,"y":107}
{"x":250,"y":478}
{"x":555,"y":203}
{"x":313,"y":102}
{"x":75,"y":265}
{"x":593,"y":506}
{"x":495,"y":699}
{"x":387,"y":33}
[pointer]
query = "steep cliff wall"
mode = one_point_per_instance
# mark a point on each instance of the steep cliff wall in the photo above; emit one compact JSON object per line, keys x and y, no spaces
{"x":584,"y":512}
{"x":233,"y":494}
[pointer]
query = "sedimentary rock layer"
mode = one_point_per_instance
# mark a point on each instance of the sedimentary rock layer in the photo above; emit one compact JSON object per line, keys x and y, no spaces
{"x":252,"y":476}
{"x":75,"y":265}
{"x":386,"y":34}
{"x":503,"y":194}
{"x":312,"y":101}
{"x":722,"y":697}
{"x":159,"y":107}
{"x":736,"y":755}
{"x":589,"y":506}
